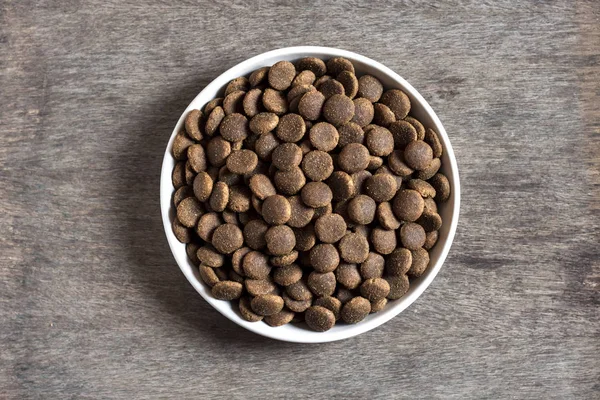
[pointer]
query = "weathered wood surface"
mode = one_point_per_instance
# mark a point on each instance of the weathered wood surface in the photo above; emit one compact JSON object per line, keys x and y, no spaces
{"x":92,"y":304}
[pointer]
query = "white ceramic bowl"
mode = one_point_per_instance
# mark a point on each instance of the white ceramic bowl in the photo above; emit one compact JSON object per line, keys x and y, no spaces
{"x":449,"y":210}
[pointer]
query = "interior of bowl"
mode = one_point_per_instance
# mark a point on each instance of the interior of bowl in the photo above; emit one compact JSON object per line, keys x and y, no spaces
{"x":448,"y":211}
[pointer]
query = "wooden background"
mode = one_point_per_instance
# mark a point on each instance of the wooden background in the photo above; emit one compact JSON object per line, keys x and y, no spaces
{"x":92,"y":304}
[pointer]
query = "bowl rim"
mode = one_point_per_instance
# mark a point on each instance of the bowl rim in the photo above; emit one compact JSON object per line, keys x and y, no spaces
{"x":166,"y":191}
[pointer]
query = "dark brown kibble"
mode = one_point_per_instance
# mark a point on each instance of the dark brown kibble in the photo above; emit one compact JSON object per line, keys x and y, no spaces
{"x":281,"y":318}
{"x":321,"y":283}
{"x":230,"y":217}
{"x":350,"y":132}
{"x":189,"y":212}
{"x":209,"y":256}
{"x":319,"y":319}
{"x":424,"y":188}
{"x":373,"y":266}
{"x":267,"y":304}
{"x":403,"y":133}
{"x":386,"y":216}
{"x":398,"y":165}
{"x":316,"y":194}
{"x":397,"y":101}
{"x":280,"y":240}
{"x":276,"y":210}
{"x":330,"y":228}
{"x":207,"y":225}
{"x":442,"y":187}
{"x":227,"y":290}
{"x":349,"y":83}
{"x":275,"y":101}
{"x":286,"y":156}
{"x":412,"y":236}
{"x":324,"y":257}
{"x":180,"y":145}
{"x":355,"y":310}
{"x":344,"y":295}
{"x":208,"y":276}
{"x":339,"y":64}
{"x":341,"y":185}
{"x":197,"y":158}
{"x":234,"y":102}
{"x":211,"y":105}
{"x":300,"y":214}
{"x":178,"y":176}
{"x":299,"y":291}
{"x":383,"y":241}
{"x":331,"y":303}
{"x":256,"y":265}
{"x":324,"y":136}
{"x":354,"y":248}
{"x":375,"y":289}
{"x":331,"y":87}
{"x":191,"y":249}
{"x":398,"y":262}
{"x":317,"y":165}
{"x":361,"y":209}
{"x":183,"y":234}
{"x":311,"y":105}
{"x":246,"y":310}
{"x":430,"y":221}
{"x":316,"y":65}
{"x":254,"y":234}
{"x":408,"y":205}
{"x":265,"y":145}
{"x":284,"y":260}
{"x":305,"y":238}
{"x":354,"y":157}
{"x":281,"y":75}
{"x":304,"y":78}
{"x":430,"y":240}
{"x":252,"y":103}
{"x":359,"y":178}
{"x":370,"y":88}
{"x":298,"y":91}
{"x":242,"y":161}
{"x":291,"y":128}
{"x":261,"y":186}
{"x":418,"y":126}
{"x":399,"y":285}
{"x":430,"y":170}
{"x":263,"y":122}
{"x":259,"y":76}
{"x":234,"y":127}
{"x":239,"y":83}
{"x":227,"y":238}
{"x":338,"y":109}
{"x":289,"y":182}
{"x":382,"y":115}
{"x":363,"y":112}
{"x":433,"y":140}
{"x":239,"y":199}
{"x":189,"y":174}
{"x":305,"y":146}
{"x":320,"y":211}
{"x":420,"y":261}
{"x":348,"y":276}
{"x":237,"y":259}
{"x":381,"y":187}
{"x":296,"y":305}
{"x":217,"y":151}
{"x":287,"y":275}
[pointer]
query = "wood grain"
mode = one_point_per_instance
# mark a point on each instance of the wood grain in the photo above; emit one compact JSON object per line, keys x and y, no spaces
{"x":92,"y":303}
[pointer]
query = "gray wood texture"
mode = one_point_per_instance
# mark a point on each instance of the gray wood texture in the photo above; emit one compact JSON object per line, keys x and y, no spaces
{"x":92,"y":304}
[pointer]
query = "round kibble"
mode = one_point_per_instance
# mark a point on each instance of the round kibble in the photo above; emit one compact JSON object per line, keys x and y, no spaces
{"x":209,"y":256}
{"x":354,"y":157}
{"x":321,"y":283}
{"x":280,"y":240}
{"x":430,"y":170}
{"x":300,"y":214}
{"x":197,"y":158}
{"x":349,"y":83}
{"x":254,"y":234}
{"x":207,"y":225}
{"x":180,"y":145}
{"x":252,"y":103}
{"x":178,"y":176}
{"x":363,"y":112}
{"x":403,"y":133}
{"x":281,"y":75}
{"x":380,"y":141}
{"x":408,"y":205}
{"x":291,"y":128}
{"x":317,"y":165}
{"x":286,"y":259}
{"x":211,"y":105}
{"x":397,"y":101}
{"x":430,"y":221}
{"x":373,"y":266}
{"x":375,"y":289}
{"x":338,"y":109}
{"x":338,"y":64}
{"x":242,"y":161}
{"x":316,"y":65}
{"x":418,"y":126}
{"x":281,"y":318}
{"x":320,"y":211}
{"x":323,"y":136}
{"x":331,"y":303}
{"x":361,"y":209}
{"x":398,"y":262}
{"x":261,"y":186}
{"x":316,"y":194}
{"x":227,"y":290}
{"x":227,"y":238}
{"x":305,"y":238}
{"x":246,"y":310}
{"x":354,"y":248}
{"x":230,"y":217}
{"x":256,"y":265}
{"x":383,"y":241}
{"x":359,"y":178}
{"x":311,"y":105}
{"x":237,"y":259}
{"x":378,"y":305}
{"x":331,"y":87}
{"x":239,"y":198}
{"x":382,"y":115}
{"x":324,"y":257}
{"x":183,"y":234}
{"x":420,"y":261}
{"x":370,"y":88}
{"x":299,"y":291}
{"x":276,"y":210}
{"x":412,"y":236}
{"x":341,"y":185}
{"x":192,"y":124}
{"x":355,"y":310}
{"x":430,"y":205}
{"x":259,"y":76}
{"x":330,"y":228}
{"x":433,"y":140}
{"x":348,"y":275}
{"x":319,"y":319}
{"x":267,"y":304}
{"x":386,"y":216}
{"x":263,"y":122}
{"x":381,"y":187}
{"x":350,"y":133}
{"x":298,"y":91}
{"x":208,"y":276}
{"x":287,"y":275}
{"x":189,"y":212}
{"x":234,"y":102}
{"x":399,"y":285}
{"x":213,"y":120}
{"x":430,"y":240}
{"x":289,"y":182}
{"x":442,"y":187}
{"x":240,"y":83}
{"x":265,"y":145}
{"x":234,"y":127}
{"x":217,"y":151}
{"x":424,"y":188}
{"x":286,"y":156}
{"x":418,"y":154}
{"x":304,"y":78}
{"x":296,"y":305}
{"x":274,"y":101}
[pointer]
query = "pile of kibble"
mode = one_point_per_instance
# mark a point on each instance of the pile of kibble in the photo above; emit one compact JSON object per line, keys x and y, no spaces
{"x":308,"y":193}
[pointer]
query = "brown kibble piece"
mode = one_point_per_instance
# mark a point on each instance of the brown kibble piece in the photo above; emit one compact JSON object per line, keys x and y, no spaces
{"x":442,"y":187}
{"x":211,"y":105}
{"x":178,"y":176}
{"x":280,"y":240}
{"x":230,"y":217}
{"x":290,"y":182}
{"x":420,"y":261}
{"x":354,"y":157}
{"x":331,"y":303}
{"x":383,"y":241}
{"x":297,"y":92}
{"x":403,"y":133}
{"x":386,"y":216}
{"x":378,"y":305}
{"x":304,"y":78}
{"x":239,"y":198}
{"x":418,"y":155}
{"x":418,"y":126}
{"x":286,"y":259}
{"x":320,"y":211}
{"x":234,"y":127}
{"x":321,"y":283}
{"x":324,"y":136}
{"x":239,"y":83}
{"x":209,"y":256}
{"x":361,"y":209}
{"x":252,"y":103}
{"x":189,"y":174}
{"x":398,"y":262}
{"x":254,"y":234}
{"x":433,"y":140}
{"x":180,"y":145}
{"x":291,"y":128}
{"x":339,"y":64}
{"x":311,"y":105}
{"x":227,"y":290}
{"x":350,"y":132}
{"x":398,"y":165}
{"x":265,"y":145}
{"x":375,"y":289}
{"x":316,"y":65}
{"x":363,"y":112}
{"x":276,"y":210}
{"x":359,"y":178}
{"x":408,"y":205}
{"x":355,"y":310}
{"x":227,"y":238}
{"x":207,"y":225}
{"x":261,"y":186}
{"x":242,"y":161}
{"x":192,"y":124}
{"x":219,"y":198}
{"x":412,"y":236}
{"x":256,"y":265}
{"x":317,"y":165}
{"x":430,"y":240}
{"x":348,"y":275}
{"x":234,"y":102}
{"x":259,"y":76}
{"x":324,"y":257}
{"x":424,"y":188}
{"x":338,"y":109}
{"x":281,"y":75}
{"x":305,"y":238}
{"x":354,"y":248}
{"x":381,"y":187}
{"x":370,"y":88}
{"x":281,"y":318}
{"x":430,"y":170}
{"x":208,"y":276}
{"x":275,"y":101}
{"x":246,"y":310}
{"x":299,"y":291}
{"x":296,"y":305}
{"x":191,"y":249}
{"x":286,"y":156}
{"x":330,"y":228}
{"x":267,"y":304}
{"x":430,"y":221}
{"x":349,"y":83}
{"x":183,"y":234}
{"x":316,"y":194}
{"x":373,"y":266}
{"x":331,"y":87}
{"x":341,"y":185}
{"x":197,"y":158}
{"x":399,"y":285}
{"x":237,"y":259}
{"x":300,"y":214}
{"x":189,"y":212}
{"x":217,"y":151}
{"x":379,"y":141}
{"x":344,"y":295}
{"x":319,"y":319}
{"x":287,"y":275}
{"x":397,"y":101}
{"x":263,"y":123}
{"x":382,"y":115}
